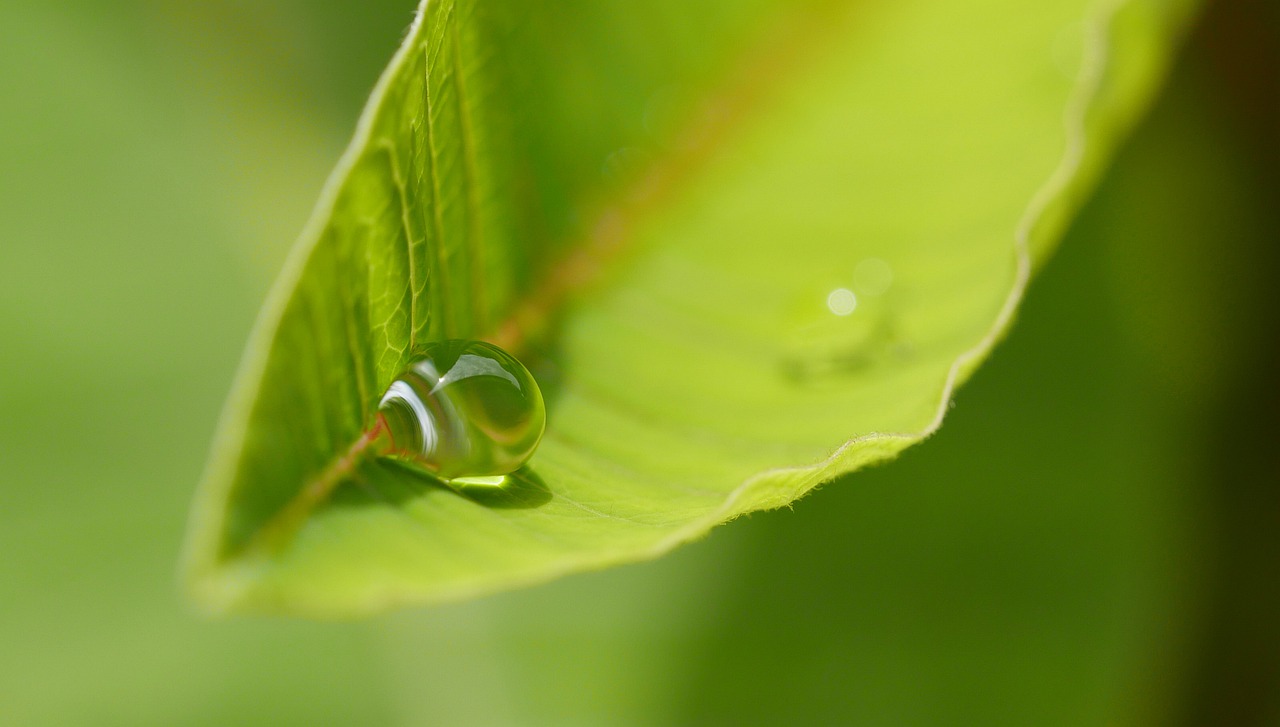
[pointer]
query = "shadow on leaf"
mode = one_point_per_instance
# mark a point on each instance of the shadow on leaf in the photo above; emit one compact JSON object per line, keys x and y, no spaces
{"x":392,"y":482}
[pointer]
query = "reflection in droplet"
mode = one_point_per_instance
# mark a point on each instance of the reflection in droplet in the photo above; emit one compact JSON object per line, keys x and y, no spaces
{"x":872,"y":277}
{"x":842,"y":301}
{"x":492,"y":481}
{"x":463,"y":409}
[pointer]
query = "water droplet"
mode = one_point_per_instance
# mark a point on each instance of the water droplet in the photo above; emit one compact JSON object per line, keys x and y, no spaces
{"x":872,"y":277}
{"x":842,"y":301}
{"x":840,"y":336}
{"x":463,"y":409}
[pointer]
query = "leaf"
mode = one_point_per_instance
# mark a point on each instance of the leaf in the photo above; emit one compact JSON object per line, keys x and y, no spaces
{"x":746,"y":247}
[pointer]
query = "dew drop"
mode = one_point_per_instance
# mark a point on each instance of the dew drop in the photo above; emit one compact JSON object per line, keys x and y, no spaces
{"x":842,"y":301}
{"x":872,"y":276}
{"x":844,"y":334}
{"x":463,"y":409}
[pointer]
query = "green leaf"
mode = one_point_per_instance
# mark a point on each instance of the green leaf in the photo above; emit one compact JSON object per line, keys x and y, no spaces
{"x":663,"y":209}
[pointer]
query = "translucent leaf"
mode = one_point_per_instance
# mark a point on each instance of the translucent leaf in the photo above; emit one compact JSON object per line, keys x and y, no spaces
{"x":745,"y":247}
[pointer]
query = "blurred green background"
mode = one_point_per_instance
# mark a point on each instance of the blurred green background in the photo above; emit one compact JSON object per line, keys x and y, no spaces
{"x":1092,"y":539}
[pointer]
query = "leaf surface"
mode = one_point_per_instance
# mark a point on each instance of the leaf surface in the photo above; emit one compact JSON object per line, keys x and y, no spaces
{"x":745,"y":247}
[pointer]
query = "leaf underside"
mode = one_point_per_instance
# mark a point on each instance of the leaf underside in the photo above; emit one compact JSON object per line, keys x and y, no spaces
{"x":661,"y":208}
